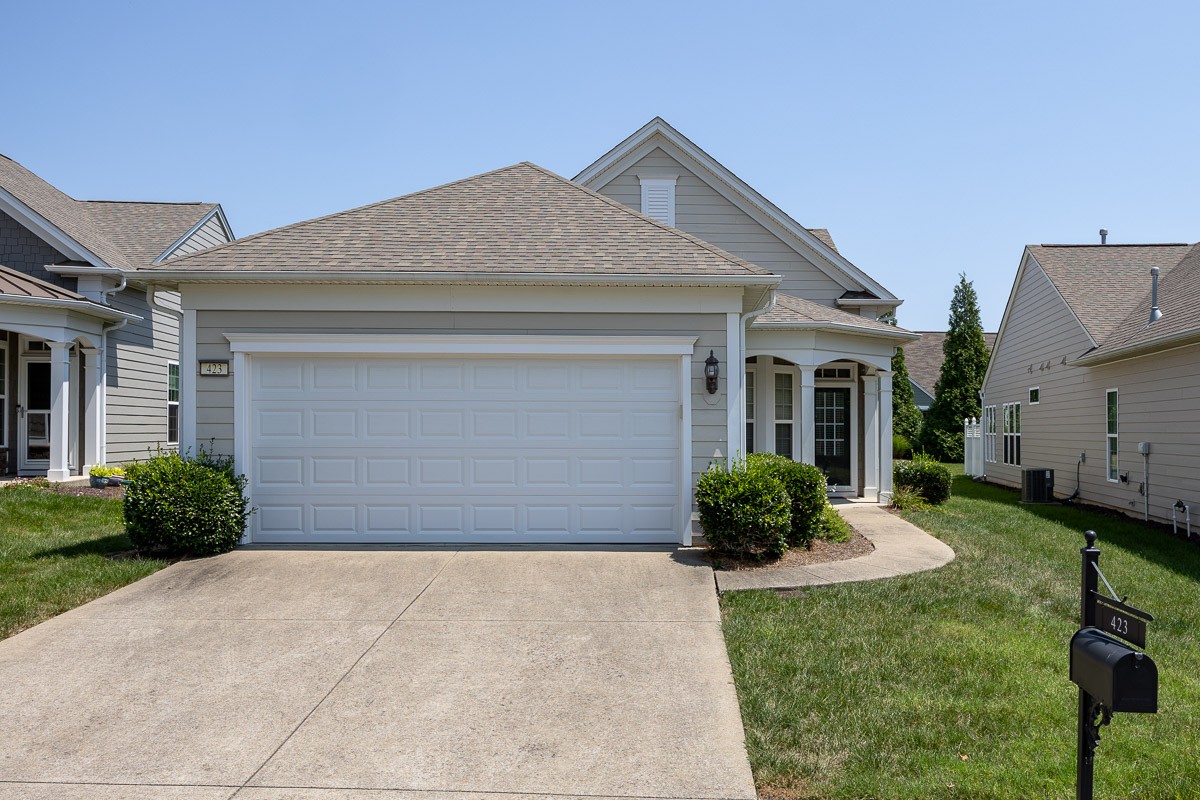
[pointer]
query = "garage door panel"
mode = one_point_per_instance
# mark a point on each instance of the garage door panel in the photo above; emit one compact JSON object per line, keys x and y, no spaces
{"x":489,"y":449}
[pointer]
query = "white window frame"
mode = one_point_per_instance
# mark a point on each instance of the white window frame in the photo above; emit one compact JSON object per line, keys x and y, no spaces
{"x":666,"y":185}
{"x":989,"y":434}
{"x":1111,"y":437}
{"x":1012,"y":434}
{"x":1033,"y":389}
{"x":775,"y":420}
{"x":173,"y":403}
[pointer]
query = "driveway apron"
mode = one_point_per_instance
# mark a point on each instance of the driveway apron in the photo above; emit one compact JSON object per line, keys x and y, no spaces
{"x":449,"y":673}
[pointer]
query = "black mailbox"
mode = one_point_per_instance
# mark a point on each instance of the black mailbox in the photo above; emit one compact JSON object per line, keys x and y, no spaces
{"x":1112,"y":672}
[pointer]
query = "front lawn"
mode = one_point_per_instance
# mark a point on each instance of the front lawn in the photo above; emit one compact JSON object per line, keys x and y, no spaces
{"x":56,"y":554}
{"x":953,"y":683}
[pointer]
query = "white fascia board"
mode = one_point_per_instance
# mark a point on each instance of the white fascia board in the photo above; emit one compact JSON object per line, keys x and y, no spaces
{"x":741,"y":194}
{"x":216,"y":212}
{"x":465,"y":345}
{"x":867,"y":301}
{"x":55,"y":236}
{"x":1140,"y":349}
{"x":434,"y":278}
{"x":78,"y":270}
{"x":85,"y":307}
{"x":899,"y":333}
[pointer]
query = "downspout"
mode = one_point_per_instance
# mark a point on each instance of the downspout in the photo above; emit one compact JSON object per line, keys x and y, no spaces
{"x":746,"y":319}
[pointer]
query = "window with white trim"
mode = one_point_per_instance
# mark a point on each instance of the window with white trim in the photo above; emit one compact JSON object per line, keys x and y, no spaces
{"x":783,"y":413}
{"x":1110,"y":398}
{"x":1035,"y":395}
{"x":989,"y":434}
{"x":3,"y":393}
{"x":749,"y":412}
{"x":1012,"y":434}
{"x":172,"y":402}
{"x":658,"y":199}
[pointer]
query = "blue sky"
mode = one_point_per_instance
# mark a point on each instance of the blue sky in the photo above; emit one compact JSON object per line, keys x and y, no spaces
{"x":931,"y":138}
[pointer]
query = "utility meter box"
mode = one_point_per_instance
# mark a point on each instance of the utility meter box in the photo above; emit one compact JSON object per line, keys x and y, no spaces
{"x":1144,"y":448}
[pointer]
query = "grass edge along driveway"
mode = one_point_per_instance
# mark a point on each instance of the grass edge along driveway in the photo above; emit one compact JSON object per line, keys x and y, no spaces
{"x":953,"y":683}
{"x":56,"y":553}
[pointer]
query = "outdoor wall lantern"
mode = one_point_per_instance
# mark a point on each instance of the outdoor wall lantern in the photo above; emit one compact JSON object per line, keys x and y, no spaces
{"x":712,"y":371}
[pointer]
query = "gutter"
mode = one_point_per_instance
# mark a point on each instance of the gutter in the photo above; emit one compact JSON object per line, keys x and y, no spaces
{"x":1181,"y":339}
{"x":839,"y":327}
{"x":428,"y":277}
{"x":83,"y":306}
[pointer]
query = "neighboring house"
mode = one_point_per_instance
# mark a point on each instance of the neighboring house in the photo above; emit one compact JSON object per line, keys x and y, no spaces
{"x":89,"y":359}
{"x":1082,"y":379}
{"x":924,"y":358}
{"x":514,"y":357}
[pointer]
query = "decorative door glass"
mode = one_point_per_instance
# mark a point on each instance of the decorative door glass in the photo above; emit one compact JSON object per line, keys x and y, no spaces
{"x":832,"y":434}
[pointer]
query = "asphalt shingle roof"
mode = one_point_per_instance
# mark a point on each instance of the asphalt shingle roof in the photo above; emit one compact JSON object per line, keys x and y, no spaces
{"x":792,"y":310}
{"x":520,"y":219}
{"x":1178,"y":300}
{"x":923,"y":358}
{"x":1102,"y":282}
{"x":123,"y":235}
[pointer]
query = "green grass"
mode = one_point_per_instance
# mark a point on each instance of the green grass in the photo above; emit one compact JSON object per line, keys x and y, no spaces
{"x":56,"y":554}
{"x":953,"y":683}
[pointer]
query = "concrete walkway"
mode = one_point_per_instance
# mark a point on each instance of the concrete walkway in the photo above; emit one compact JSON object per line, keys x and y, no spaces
{"x":451,"y":673}
{"x":900,"y":548}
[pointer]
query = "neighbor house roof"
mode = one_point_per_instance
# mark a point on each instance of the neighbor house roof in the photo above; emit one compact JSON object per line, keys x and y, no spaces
{"x":17,"y":287}
{"x":924,"y":357}
{"x":1101,"y":282}
{"x":1179,"y":302}
{"x":790,"y":311}
{"x":517,"y":220}
{"x":117,"y":234}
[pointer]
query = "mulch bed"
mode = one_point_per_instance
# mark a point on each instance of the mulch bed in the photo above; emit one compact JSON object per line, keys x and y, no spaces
{"x":822,"y":552}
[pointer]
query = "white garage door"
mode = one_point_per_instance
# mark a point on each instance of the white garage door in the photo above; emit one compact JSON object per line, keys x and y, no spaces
{"x":525,"y":449}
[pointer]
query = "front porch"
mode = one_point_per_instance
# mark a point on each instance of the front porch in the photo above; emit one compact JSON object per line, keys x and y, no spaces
{"x":52,"y":378}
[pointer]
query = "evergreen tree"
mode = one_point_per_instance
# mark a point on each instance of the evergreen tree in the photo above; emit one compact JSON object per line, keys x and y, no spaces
{"x":906,"y":417}
{"x":957,"y":393}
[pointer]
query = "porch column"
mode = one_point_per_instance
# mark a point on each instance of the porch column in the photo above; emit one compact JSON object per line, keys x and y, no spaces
{"x":885,"y":436}
{"x":808,"y":413}
{"x":93,"y":412}
{"x":871,"y":436}
{"x":764,"y":404}
{"x":60,"y":395}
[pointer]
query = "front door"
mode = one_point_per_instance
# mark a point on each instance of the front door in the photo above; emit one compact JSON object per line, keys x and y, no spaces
{"x":832,"y":429}
{"x":33,"y":415}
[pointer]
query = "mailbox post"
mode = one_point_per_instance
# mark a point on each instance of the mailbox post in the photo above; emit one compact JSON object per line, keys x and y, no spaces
{"x":1111,"y":675}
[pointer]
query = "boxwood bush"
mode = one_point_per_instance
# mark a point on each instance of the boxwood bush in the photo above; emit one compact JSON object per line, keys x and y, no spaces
{"x":745,"y":513}
{"x":806,"y":487}
{"x":193,"y":505}
{"x":925,"y":476}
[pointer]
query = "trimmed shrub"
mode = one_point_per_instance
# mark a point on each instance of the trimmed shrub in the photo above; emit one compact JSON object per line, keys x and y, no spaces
{"x":185,"y":505}
{"x":745,"y":513}
{"x":834,"y":527}
{"x":901,"y":447}
{"x":925,"y":476}
{"x":806,"y":488}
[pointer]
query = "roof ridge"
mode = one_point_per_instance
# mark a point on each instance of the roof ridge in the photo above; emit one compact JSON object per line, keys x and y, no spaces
{"x":292,"y":225}
{"x":1128,"y":244}
{"x":730,"y":257}
{"x":153,"y":202}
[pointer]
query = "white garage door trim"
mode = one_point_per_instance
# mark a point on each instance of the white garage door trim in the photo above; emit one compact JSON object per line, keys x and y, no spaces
{"x":246,"y":345}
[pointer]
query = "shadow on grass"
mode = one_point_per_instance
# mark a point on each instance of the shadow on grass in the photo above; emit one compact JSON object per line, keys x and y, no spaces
{"x":1151,"y":541}
{"x":104,"y":546}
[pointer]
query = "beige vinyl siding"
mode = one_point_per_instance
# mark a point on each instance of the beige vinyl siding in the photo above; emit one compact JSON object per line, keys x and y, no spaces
{"x":214,"y":412}
{"x":210,"y":234}
{"x":702,"y":211}
{"x":1158,"y":403}
{"x":137,"y":376}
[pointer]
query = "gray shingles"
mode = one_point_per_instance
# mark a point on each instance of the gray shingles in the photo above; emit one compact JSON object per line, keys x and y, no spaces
{"x":923,"y":358}
{"x":792,"y":310}
{"x":1101,"y":283}
{"x":518,"y":220}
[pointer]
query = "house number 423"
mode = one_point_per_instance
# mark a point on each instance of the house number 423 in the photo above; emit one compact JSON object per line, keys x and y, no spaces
{"x":214,"y":367}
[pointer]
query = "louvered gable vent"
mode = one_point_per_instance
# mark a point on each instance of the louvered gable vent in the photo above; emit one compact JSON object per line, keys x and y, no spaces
{"x":658,"y":199}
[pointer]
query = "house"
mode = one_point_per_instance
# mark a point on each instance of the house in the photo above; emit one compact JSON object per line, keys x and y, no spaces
{"x":89,"y":358}
{"x":1083,"y":381}
{"x":517,"y":357}
{"x":924,"y":358}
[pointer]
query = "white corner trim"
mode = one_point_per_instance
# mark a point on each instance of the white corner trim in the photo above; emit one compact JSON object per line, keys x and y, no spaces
{"x":465,"y":345}
{"x":735,"y":398}
{"x":187,"y":382}
{"x":685,"y":450}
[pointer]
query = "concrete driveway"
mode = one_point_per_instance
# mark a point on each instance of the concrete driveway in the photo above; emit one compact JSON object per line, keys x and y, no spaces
{"x":456,"y":674}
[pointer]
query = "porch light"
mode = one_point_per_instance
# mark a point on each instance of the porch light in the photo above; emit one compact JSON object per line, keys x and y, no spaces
{"x":712,"y":371}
